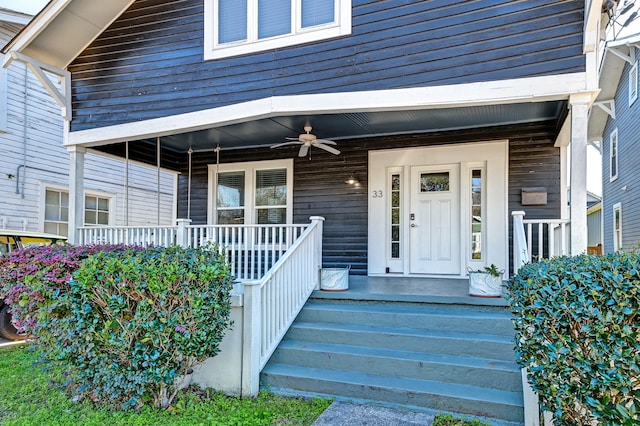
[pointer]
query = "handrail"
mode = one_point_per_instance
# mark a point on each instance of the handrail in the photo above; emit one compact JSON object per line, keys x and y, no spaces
{"x":272,"y":303}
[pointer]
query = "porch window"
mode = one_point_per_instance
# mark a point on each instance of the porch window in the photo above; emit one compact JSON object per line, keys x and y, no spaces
{"x":617,"y":227}
{"x":476,"y":214}
{"x":252,"y":193}
{"x":236,"y":27}
{"x":56,"y":212}
{"x":633,"y":83}
{"x":613,"y":155}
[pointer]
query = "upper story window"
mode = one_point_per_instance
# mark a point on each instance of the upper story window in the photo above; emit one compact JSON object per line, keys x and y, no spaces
{"x":613,"y":155}
{"x":633,"y":83}
{"x":237,"y":27}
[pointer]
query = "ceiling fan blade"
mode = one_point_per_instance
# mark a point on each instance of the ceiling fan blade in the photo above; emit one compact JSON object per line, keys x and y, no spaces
{"x":293,"y":139}
{"x":284,"y":144}
{"x":326,"y":141}
{"x":303,"y":150}
{"x":328,"y":148}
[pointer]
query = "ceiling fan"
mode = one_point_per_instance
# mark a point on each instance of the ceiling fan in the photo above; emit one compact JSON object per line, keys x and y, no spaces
{"x":307,"y":140}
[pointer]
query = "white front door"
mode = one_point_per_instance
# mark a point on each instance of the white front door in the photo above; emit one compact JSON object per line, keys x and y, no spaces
{"x":435,"y":219}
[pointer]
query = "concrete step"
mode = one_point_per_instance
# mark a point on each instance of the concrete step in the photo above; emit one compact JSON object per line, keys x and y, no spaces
{"x":450,"y":397}
{"x":488,"y":373}
{"x":484,"y":320}
{"x":487,"y":346}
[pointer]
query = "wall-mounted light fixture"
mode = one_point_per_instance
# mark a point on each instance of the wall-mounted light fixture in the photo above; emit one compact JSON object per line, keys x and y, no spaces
{"x":352,"y":180}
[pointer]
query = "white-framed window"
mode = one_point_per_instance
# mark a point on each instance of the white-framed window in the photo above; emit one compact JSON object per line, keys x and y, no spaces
{"x":56,"y":211}
{"x":237,"y":27}
{"x":613,"y":155}
{"x":97,"y":210}
{"x":633,"y":83}
{"x":617,"y":227}
{"x":258,"y":192}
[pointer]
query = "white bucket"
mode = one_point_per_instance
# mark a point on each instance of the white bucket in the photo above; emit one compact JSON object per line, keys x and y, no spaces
{"x":334,"y":279}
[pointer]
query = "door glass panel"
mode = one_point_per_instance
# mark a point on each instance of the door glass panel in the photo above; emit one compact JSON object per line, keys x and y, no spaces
{"x":434,"y":182}
{"x":395,"y":216}
{"x":476,"y":214}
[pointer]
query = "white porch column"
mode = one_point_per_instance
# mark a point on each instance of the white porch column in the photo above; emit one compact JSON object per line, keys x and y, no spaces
{"x":76,"y":191}
{"x":578,"y":172}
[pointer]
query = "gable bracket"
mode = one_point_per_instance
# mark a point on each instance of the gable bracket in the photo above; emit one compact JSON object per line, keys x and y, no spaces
{"x":62,"y":93}
{"x":630,"y":58}
{"x":608,"y":106}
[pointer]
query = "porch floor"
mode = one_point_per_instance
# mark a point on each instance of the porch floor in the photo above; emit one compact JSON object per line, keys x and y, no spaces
{"x":443,"y":290}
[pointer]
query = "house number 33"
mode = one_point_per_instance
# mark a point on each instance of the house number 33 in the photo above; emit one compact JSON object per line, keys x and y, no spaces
{"x":377,"y":194}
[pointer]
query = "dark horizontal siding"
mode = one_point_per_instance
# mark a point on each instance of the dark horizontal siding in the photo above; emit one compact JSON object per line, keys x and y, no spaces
{"x":628,"y":126}
{"x":319,"y":187}
{"x":149,"y":63}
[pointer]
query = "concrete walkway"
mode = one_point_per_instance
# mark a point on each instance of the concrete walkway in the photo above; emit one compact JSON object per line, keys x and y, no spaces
{"x":345,"y":413}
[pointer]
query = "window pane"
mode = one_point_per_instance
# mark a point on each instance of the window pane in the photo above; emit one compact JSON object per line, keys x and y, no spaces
{"x":90,"y":217}
{"x":52,"y":197}
{"x":63,"y":229}
{"x":64,"y":214}
{"x":232,"y":20}
{"x":90,"y":203}
{"x":231,"y":217}
{"x":103,"y":204}
{"x":231,"y":189}
{"x":64,"y":199}
{"x":317,"y":12}
{"x":51,"y":213}
{"x":272,"y":216}
{"x":103,"y":218}
{"x":274,"y":18}
{"x":51,"y":228}
{"x":271,"y":187}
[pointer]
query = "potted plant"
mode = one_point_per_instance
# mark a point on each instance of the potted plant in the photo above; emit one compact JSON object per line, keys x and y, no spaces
{"x":486,"y":282}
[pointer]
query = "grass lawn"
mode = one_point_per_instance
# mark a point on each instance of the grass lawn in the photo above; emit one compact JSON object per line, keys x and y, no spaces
{"x":27,"y":398}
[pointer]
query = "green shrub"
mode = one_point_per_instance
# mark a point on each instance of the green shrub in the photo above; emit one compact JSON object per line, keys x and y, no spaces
{"x":577,"y":331}
{"x":139,"y":321}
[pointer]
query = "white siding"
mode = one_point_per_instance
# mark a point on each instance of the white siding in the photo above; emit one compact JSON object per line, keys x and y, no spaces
{"x":32,"y":148}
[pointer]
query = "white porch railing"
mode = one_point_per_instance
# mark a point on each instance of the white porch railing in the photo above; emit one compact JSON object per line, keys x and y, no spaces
{"x":251,"y":249}
{"x":535,"y":239}
{"x":164,"y":236}
{"x":273,"y":302}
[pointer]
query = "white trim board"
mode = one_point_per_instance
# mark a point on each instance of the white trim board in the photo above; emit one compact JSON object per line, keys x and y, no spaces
{"x":534,"y":89}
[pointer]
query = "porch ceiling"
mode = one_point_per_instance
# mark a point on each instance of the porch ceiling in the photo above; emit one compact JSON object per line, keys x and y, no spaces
{"x":268,"y":131}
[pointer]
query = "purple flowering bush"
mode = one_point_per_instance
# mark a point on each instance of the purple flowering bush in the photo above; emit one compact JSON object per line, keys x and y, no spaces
{"x":30,"y":278}
{"x":140,"y":320}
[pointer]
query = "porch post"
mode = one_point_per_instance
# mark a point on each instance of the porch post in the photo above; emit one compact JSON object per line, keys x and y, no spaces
{"x":76,"y":192}
{"x":182,"y":236}
{"x":319,"y":221}
{"x":251,"y":340}
{"x":578,"y":172}
{"x":520,"y":248}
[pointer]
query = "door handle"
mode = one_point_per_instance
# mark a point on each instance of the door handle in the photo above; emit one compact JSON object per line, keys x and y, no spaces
{"x":413,"y":225}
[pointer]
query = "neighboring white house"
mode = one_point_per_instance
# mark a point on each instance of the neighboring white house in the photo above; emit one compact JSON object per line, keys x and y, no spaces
{"x":34,"y":171}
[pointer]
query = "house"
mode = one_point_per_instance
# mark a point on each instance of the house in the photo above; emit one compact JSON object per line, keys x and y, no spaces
{"x":614,"y":121}
{"x":409,"y":132}
{"x":34,"y":181}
